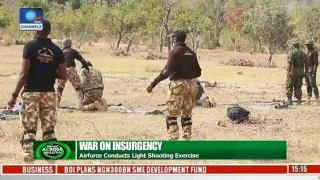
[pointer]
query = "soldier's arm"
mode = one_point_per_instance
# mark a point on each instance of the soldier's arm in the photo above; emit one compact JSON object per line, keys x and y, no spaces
{"x":306,"y":66}
{"x":101,"y":77}
{"x":62,"y":71}
{"x":289,"y":64}
{"x":316,"y":62}
{"x":84,"y":77}
{"x":78,"y":57}
{"x":168,"y":69}
{"x":26,"y":64}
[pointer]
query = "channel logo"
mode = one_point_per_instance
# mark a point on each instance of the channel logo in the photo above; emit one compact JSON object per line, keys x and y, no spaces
{"x":31,"y":19}
{"x":53,"y":150}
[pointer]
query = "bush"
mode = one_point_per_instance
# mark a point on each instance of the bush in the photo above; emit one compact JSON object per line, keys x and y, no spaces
{"x":248,"y":63}
{"x":154,"y":56}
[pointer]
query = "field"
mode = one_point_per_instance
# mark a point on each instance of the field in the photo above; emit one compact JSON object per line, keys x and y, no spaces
{"x":126,"y":80}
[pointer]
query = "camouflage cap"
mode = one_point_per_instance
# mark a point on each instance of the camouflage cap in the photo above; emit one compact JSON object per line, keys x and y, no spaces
{"x":309,"y":42}
{"x":66,"y":42}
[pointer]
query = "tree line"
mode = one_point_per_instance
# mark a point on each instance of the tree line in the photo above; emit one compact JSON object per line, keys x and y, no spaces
{"x":243,"y":25}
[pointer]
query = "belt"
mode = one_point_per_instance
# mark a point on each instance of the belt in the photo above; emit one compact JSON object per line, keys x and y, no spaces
{"x":98,"y":88}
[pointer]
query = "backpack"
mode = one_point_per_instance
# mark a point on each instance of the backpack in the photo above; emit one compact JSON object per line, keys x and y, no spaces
{"x":237,"y":113}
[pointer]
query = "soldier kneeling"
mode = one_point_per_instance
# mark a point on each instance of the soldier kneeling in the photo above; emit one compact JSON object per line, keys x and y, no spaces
{"x":92,"y":85}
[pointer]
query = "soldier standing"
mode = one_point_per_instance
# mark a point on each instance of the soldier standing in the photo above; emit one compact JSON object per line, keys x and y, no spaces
{"x":297,"y":66}
{"x":70,"y":55}
{"x":311,"y":74}
{"x":92,"y":84}
{"x":182,"y":68}
{"x":43,"y":62}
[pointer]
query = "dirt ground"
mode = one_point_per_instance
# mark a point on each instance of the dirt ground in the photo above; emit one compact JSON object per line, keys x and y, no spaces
{"x":126,"y":80}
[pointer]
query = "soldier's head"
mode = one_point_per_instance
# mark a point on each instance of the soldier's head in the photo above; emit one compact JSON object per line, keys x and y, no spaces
{"x":178,"y":36}
{"x":309,"y":44}
{"x":296,"y":45}
{"x":46,"y":29}
{"x":89,"y":63}
{"x":67,"y":42}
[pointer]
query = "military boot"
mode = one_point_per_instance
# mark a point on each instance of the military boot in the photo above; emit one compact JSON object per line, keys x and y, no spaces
{"x":79,"y":99}
{"x":172,"y":128}
{"x":103,"y":102}
{"x":290,"y":101}
{"x":91,"y":107}
{"x":186,"y":128}
{"x":98,"y":106}
{"x":317,"y":102}
{"x":308,"y":102}
{"x":299,"y":101}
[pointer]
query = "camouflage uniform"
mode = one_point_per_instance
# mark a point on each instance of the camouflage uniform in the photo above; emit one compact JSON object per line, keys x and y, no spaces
{"x":180,"y":102}
{"x":311,"y":74}
{"x":74,"y":79}
{"x":297,"y":60}
{"x":92,"y":85}
{"x":37,"y":106}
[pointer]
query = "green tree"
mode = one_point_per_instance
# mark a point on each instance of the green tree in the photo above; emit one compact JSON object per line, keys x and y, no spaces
{"x":4,"y":18}
{"x":117,"y":21}
{"x":63,"y":23}
{"x":215,"y":10}
{"x":269,"y":21}
{"x":311,"y":23}
{"x":44,"y":4}
{"x":83,"y":25}
{"x":235,"y":19}
{"x":161,"y":16}
{"x":195,"y":23}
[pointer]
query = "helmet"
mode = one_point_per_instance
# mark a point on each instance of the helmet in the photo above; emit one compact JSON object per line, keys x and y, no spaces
{"x":89,"y":63}
{"x":66,"y":42}
{"x":309,"y":42}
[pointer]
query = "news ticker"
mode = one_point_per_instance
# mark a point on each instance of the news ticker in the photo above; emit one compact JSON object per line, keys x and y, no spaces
{"x":160,"y":169}
{"x":160,"y":150}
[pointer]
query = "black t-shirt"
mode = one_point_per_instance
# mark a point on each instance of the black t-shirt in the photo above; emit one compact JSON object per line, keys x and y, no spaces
{"x":45,"y":57}
{"x":70,"y":55}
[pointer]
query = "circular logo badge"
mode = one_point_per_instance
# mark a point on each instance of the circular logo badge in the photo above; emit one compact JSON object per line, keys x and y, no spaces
{"x":53,"y":150}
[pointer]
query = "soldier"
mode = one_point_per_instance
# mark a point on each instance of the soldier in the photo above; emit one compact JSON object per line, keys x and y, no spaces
{"x":43,"y":62}
{"x":92,"y":84}
{"x":311,"y":74}
{"x":70,"y":54}
{"x":182,"y":68}
{"x":297,"y":65}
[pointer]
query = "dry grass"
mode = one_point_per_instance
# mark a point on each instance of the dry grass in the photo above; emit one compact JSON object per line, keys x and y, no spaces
{"x":126,"y":79}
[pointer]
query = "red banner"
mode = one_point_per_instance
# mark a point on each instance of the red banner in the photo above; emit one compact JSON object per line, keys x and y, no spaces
{"x":145,"y":169}
{"x":29,"y":169}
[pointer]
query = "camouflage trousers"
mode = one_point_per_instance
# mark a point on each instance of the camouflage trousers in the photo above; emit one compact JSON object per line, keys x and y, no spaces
{"x":90,"y":97}
{"x":37,"y":106}
{"x":311,"y":82}
{"x":294,"y":83}
{"x":74,"y":79}
{"x":180,"y":102}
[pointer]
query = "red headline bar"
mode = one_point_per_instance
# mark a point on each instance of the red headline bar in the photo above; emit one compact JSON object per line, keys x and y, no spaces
{"x":29,"y":169}
{"x":304,"y":169}
{"x":145,"y":169}
{"x":171,"y":169}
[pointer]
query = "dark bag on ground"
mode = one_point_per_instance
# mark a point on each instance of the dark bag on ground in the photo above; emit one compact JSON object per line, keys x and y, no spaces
{"x":237,"y":113}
